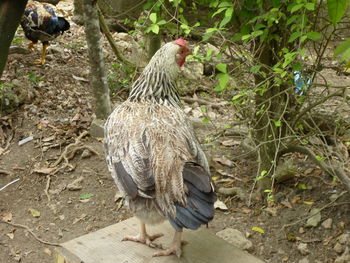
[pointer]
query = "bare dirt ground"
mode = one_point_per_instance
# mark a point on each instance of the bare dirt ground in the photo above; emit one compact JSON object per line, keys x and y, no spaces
{"x":60,"y":201}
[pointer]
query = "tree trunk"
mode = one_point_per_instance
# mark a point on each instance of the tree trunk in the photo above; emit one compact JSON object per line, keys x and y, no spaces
{"x":98,"y":76}
{"x":10,"y":16}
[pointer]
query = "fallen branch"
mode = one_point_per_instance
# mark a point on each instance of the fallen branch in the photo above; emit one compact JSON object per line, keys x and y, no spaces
{"x":48,"y":187}
{"x":319,"y":210}
{"x":335,"y":171}
{"x":31,"y":232}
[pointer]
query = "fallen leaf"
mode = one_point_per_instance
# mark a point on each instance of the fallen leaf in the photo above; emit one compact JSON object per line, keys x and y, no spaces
{"x":86,"y":196}
{"x":308,"y":171}
{"x":47,"y":251}
{"x":220,"y":205}
{"x":10,"y":235}
{"x":258,"y":229}
{"x":6,"y":216}
{"x":224,"y":161}
{"x":287,"y":204}
{"x":44,"y":170}
{"x":309,"y":202}
{"x":34,"y":212}
{"x":291,"y":237}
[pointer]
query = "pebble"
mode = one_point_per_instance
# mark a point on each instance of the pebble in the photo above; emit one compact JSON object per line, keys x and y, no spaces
{"x":233,"y":191}
{"x":314,"y":220}
{"x":344,"y":258}
{"x":76,"y":184}
{"x":236,"y":238}
{"x":303,"y":260}
{"x":327,"y":224}
{"x":339,"y":248}
{"x":344,"y":239}
{"x":302,"y":247}
{"x":86,"y":154}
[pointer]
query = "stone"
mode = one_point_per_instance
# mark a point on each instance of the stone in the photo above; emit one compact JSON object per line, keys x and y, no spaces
{"x":302,"y":248}
{"x":233,"y":191}
{"x":76,"y":184}
{"x":327,"y":224}
{"x":236,"y":238}
{"x":97,"y":128}
{"x":86,"y":154}
{"x":344,"y":239}
{"x":344,"y":258}
{"x":315,"y":219}
{"x":339,"y":248}
{"x":303,"y":260}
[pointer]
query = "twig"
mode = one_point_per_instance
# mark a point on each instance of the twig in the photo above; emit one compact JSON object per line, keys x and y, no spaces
{"x":4,"y":172}
{"x":48,"y":187}
{"x":31,"y":232}
{"x":319,"y":210}
{"x":2,"y":188}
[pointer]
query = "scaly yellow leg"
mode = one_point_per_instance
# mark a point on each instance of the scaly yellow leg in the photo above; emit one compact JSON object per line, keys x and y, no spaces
{"x":41,"y":61}
{"x":31,"y":46}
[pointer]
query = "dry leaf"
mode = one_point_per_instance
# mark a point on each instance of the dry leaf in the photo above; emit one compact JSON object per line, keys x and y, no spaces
{"x":220,"y":205}
{"x":224,"y":161}
{"x":11,"y":235}
{"x":34,"y":212}
{"x":6,"y":216}
{"x":287,"y":204}
{"x":308,"y":171}
{"x":47,"y":251}
{"x":44,"y":170}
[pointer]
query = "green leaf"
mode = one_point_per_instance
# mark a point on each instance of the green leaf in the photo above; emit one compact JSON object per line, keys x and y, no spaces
{"x":34,"y":212}
{"x":223,"y":80}
{"x":219,"y":11}
{"x":258,"y":229}
{"x":342,"y":49}
{"x":86,"y":196}
{"x":161,"y":22}
{"x":246,"y":37}
{"x":314,"y":35}
{"x":255,"y":69}
{"x":302,"y":186}
{"x":222,"y":67}
{"x":155,"y":29}
{"x":310,"y":6}
{"x":257,"y":33}
{"x":277,"y":123}
{"x":153,"y":18}
{"x":336,"y":10}
{"x":294,"y":36}
{"x":296,"y":8}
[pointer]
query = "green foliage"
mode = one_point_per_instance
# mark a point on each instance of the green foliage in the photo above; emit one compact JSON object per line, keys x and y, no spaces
{"x":34,"y":78}
{"x":337,"y":9}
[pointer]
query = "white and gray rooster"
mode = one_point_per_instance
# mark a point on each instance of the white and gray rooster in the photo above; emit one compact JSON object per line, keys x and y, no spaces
{"x":154,"y":156}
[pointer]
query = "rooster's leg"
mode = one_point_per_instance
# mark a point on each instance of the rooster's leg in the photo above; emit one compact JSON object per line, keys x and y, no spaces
{"x":41,"y":61}
{"x":175,"y":247}
{"x":143,"y":237}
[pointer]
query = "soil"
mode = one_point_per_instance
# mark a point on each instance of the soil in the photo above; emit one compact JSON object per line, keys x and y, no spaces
{"x":62,"y":109}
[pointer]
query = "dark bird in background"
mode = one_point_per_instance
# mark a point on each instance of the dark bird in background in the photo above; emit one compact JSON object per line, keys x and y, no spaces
{"x":39,"y":22}
{"x":154,"y":155}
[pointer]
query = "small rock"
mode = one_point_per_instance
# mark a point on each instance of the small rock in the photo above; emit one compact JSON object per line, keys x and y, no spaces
{"x":344,"y":258}
{"x":301,"y":230}
{"x":302,"y":247}
{"x":339,"y":248}
{"x":76,"y":184}
{"x":327,"y":224}
{"x":333,"y":197}
{"x":303,"y":260}
{"x":86,"y":154}
{"x":315,"y":219}
{"x":236,"y":238}
{"x":97,"y":128}
{"x":344,"y":239}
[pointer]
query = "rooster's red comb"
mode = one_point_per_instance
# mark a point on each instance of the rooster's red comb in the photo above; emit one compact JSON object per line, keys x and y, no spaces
{"x":181,"y":42}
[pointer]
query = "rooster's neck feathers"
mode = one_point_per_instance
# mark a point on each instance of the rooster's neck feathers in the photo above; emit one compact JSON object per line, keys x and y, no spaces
{"x":157,"y":83}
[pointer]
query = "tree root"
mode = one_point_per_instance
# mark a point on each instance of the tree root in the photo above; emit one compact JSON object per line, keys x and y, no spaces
{"x":335,"y":171}
{"x":31,"y":232}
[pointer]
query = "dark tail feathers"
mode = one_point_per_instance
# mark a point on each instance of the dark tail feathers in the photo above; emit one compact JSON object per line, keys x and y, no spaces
{"x":200,"y":199}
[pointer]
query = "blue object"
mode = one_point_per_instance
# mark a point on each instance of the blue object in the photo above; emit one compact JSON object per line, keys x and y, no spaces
{"x":299,"y":82}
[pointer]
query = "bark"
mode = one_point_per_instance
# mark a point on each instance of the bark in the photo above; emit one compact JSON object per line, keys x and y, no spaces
{"x":98,"y":76}
{"x":10,"y":16}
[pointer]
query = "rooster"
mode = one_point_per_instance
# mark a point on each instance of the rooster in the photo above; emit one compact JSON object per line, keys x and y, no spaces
{"x":154,"y":156}
{"x":40,"y":22}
